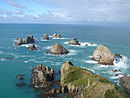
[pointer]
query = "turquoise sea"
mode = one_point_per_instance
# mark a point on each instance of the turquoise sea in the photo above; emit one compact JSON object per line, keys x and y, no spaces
{"x":115,"y":37}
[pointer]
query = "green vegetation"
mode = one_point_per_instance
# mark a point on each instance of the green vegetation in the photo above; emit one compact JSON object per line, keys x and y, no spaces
{"x":94,"y":86}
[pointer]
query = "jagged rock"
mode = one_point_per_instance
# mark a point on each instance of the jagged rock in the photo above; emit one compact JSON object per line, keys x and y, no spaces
{"x":28,"y":39}
{"x":74,"y":41}
{"x":87,"y":84}
{"x":57,"y":36}
{"x":103,"y":55}
{"x":125,"y":83}
{"x":42,"y":76}
{"x":20,"y":77}
{"x":46,"y":37}
{"x":32,"y":47}
{"x":58,"y":49}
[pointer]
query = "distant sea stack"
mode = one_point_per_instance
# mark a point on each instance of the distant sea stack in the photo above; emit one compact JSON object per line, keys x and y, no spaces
{"x":32,"y":47}
{"x":103,"y":55}
{"x":56,"y":36}
{"x":58,"y":49}
{"x":27,"y":40}
{"x":74,"y":41}
{"x":84,"y":84}
{"x":45,"y":37}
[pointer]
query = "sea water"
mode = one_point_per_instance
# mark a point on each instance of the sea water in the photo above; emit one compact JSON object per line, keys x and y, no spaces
{"x":115,"y":37}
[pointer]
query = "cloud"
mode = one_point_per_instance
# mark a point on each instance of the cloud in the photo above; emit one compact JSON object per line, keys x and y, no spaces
{"x":14,"y":4}
{"x":71,"y":11}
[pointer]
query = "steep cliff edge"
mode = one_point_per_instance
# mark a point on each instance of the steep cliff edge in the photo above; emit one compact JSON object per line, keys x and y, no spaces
{"x":87,"y":84}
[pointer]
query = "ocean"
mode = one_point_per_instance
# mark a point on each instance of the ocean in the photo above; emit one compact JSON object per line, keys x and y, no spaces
{"x":115,"y":37}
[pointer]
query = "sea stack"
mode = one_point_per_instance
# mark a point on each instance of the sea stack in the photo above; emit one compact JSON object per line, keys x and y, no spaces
{"x":103,"y":55}
{"x":46,"y":37}
{"x":32,"y":47}
{"x":27,"y":40}
{"x":42,"y":76}
{"x":57,"y":36}
{"x":74,"y":41}
{"x":58,"y":49}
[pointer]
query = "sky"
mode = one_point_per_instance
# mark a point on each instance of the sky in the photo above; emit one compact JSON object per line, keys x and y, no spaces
{"x":64,"y":11}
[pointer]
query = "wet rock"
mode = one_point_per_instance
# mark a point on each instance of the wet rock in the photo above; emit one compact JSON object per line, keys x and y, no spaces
{"x":116,"y":70}
{"x":58,"y":49}
{"x":21,"y":84}
{"x":42,"y":76}
{"x":118,"y":55}
{"x":57,"y":36}
{"x":20,"y":77}
{"x":9,"y":58}
{"x":32,"y":47}
{"x":28,"y":39}
{"x":103,"y":55}
{"x":74,"y":41}
{"x":125,"y":83}
{"x":46,"y":37}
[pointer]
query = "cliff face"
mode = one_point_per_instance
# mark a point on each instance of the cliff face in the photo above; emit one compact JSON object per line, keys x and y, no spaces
{"x":103,"y":55}
{"x":87,"y":84}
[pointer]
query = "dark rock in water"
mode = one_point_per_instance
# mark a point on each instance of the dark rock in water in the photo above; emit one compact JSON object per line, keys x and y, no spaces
{"x":9,"y":58}
{"x":21,"y":84}
{"x":118,"y":55}
{"x":125,"y":83}
{"x":46,"y":52}
{"x":32,"y":47}
{"x":58,"y":49}
{"x":42,"y":76}
{"x":74,"y":41}
{"x":20,"y":77}
{"x":116,"y":70}
{"x":46,"y":37}
{"x":103,"y":55}
{"x":28,"y":39}
{"x":57,"y":36}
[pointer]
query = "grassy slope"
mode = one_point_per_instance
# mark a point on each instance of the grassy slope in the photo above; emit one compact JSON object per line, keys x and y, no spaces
{"x":94,"y":85}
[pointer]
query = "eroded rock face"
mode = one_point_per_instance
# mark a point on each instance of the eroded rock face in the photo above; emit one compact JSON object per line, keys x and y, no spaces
{"x":28,"y":39}
{"x":46,"y":37}
{"x":58,"y":49}
{"x":103,"y":55}
{"x":125,"y":83}
{"x":42,"y":76}
{"x":74,"y":41}
{"x":32,"y":47}
{"x":87,"y":84}
{"x":57,"y":36}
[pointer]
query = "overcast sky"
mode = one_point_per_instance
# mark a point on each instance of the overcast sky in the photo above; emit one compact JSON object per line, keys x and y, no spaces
{"x":64,"y":11}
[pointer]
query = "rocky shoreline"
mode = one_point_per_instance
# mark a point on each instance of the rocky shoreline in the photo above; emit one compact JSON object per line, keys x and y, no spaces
{"x":74,"y":82}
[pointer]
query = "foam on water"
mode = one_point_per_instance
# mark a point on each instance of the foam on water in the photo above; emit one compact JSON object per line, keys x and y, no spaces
{"x":83,"y":44}
{"x":91,"y":61}
{"x":60,"y":38}
{"x":72,"y":52}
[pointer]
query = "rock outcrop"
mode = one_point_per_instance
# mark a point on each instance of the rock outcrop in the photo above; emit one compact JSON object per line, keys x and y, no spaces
{"x":32,"y":47}
{"x":46,"y":37}
{"x":74,"y":41}
{"x":58,"y":49}
{"x":27,"y":40}
{"x":42,"y":76}
{"x":57,"y":36}
{"x":103,"y":55}
{"x":125,"y":83}
{"x":87,"y":84}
